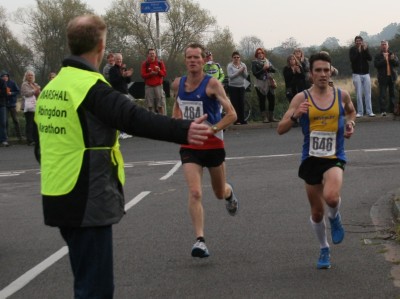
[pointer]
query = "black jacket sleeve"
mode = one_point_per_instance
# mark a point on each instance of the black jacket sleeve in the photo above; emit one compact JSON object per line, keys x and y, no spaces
{"x":257,"y":69}
{"x":3,"y":92}
{"x":119,"y":112}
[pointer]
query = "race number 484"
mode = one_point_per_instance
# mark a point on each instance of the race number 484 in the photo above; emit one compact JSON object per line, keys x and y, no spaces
{"x":191,"y":109}
{"x":191,"y":112}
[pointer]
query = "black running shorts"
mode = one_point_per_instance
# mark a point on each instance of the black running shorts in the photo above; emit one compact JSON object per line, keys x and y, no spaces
{"x":313,"y":168}
{"x":204,"y":158}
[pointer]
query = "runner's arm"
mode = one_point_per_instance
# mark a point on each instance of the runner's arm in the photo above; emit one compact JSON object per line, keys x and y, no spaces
{"x":298,"y":106}
{"x":215,"y":88}
{"x":176,"y":112}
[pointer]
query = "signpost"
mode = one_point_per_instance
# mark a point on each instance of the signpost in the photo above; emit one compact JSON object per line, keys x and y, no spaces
{"x":155,"y":6}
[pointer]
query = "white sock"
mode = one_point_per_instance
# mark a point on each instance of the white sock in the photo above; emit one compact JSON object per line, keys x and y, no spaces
{"x":320,"y":231}
{"x":332,"y":212}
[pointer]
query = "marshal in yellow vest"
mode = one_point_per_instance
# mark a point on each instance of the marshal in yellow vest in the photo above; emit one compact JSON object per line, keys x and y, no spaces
{"x":62,"y":145}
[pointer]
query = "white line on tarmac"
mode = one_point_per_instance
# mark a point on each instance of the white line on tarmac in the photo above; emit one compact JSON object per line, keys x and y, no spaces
{"x":135,"y":200}
{"x":23,"y":280}
{"x":28,"y":276}
{"x":381,"y":149}
{"x":11,"y":173}
{"x":172,"y":171}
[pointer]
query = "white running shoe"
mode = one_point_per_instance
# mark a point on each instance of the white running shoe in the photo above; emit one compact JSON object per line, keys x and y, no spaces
{"x":124,"y":136}
{"x":200,"y":250}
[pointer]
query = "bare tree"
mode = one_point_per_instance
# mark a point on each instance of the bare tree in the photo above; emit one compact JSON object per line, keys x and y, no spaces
{"x":46,"y":31}
{"x":133,"y":33}
{"x":331,"y":43}
{"x":222,"y":45}
{"x":248,"y":46}
{"x":129,"y":31}
{"x":185,"y":22}
{"x":290,"y":44}
{"x":15,"y":58}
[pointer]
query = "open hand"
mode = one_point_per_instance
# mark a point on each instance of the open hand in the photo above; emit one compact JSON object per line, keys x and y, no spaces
{"x":198,"y":132}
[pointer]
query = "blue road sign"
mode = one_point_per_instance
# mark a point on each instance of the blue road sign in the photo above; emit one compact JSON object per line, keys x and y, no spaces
{"x":154,"y":6}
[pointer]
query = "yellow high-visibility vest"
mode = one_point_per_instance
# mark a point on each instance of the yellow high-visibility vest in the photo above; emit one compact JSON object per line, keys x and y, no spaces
{"x":62,"y":145}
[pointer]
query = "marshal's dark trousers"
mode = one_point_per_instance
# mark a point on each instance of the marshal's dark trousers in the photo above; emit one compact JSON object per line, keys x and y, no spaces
{"x":91,"y":257}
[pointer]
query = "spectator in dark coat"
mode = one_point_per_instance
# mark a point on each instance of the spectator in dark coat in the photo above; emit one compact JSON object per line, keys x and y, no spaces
{"x":11,"y":103}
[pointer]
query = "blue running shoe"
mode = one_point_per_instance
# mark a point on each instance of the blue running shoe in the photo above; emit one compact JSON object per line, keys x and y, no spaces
{"x":337,"y":230}
{"x":232,"y":205}
{"x":324,"y":261}
{"x":200,"y":250}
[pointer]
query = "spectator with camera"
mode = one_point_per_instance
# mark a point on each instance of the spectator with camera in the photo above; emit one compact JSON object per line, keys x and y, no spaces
{"x":360,"y":58}
{"x":305,"y":64}
{"x":265,"y":84}
{"x":153,"y":72}
{"x":295,"y":77}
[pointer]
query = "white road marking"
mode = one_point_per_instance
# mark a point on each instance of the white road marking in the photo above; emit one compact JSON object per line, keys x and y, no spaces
{"x":11,"y":173}
{"x":28,"y":276}
{"x":381,"y":149}
{"x":23,"y":280}
{"x":135,"y":200}
{"x":172,"y":171}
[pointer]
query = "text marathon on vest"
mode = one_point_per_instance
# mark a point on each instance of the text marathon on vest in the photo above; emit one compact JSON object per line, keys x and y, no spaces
{"x":56,"y":95}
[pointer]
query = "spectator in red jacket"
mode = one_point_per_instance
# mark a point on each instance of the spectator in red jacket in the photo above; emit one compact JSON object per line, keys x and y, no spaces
{"x":153,"y":72}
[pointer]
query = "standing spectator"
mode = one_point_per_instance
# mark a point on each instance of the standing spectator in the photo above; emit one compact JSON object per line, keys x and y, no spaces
{"x":212,"y":68}
{"x":327,"y":117}
{"x":30,"y":92}
{"x":262,"y":69}
{"x":305,"y":64}
{"x":119,"y":77}
{"x":52,"y":75}
{"x":295,"y":77}
{"x":385,"y":62}
{"x":82,"y":170}
{"x":359,"y":58}
{"x":11,"y":103}
{"x":3,"y":114}
{"x":153,"y":72}
{"x":334,"y":71}
{"x":110,"y":63}
{"x":237,"y":74}
{"x":197,"y":93}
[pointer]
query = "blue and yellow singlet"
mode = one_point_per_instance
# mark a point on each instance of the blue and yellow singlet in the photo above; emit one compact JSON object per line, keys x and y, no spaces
{"x":323,"y":129}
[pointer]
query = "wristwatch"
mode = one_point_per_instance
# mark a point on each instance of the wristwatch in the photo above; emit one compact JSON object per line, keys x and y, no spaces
{"x":293,"y":119}
{"x":215,"y":129}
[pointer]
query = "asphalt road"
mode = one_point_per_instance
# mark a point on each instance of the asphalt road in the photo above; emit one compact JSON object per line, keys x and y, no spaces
{"x":267,"y":251}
